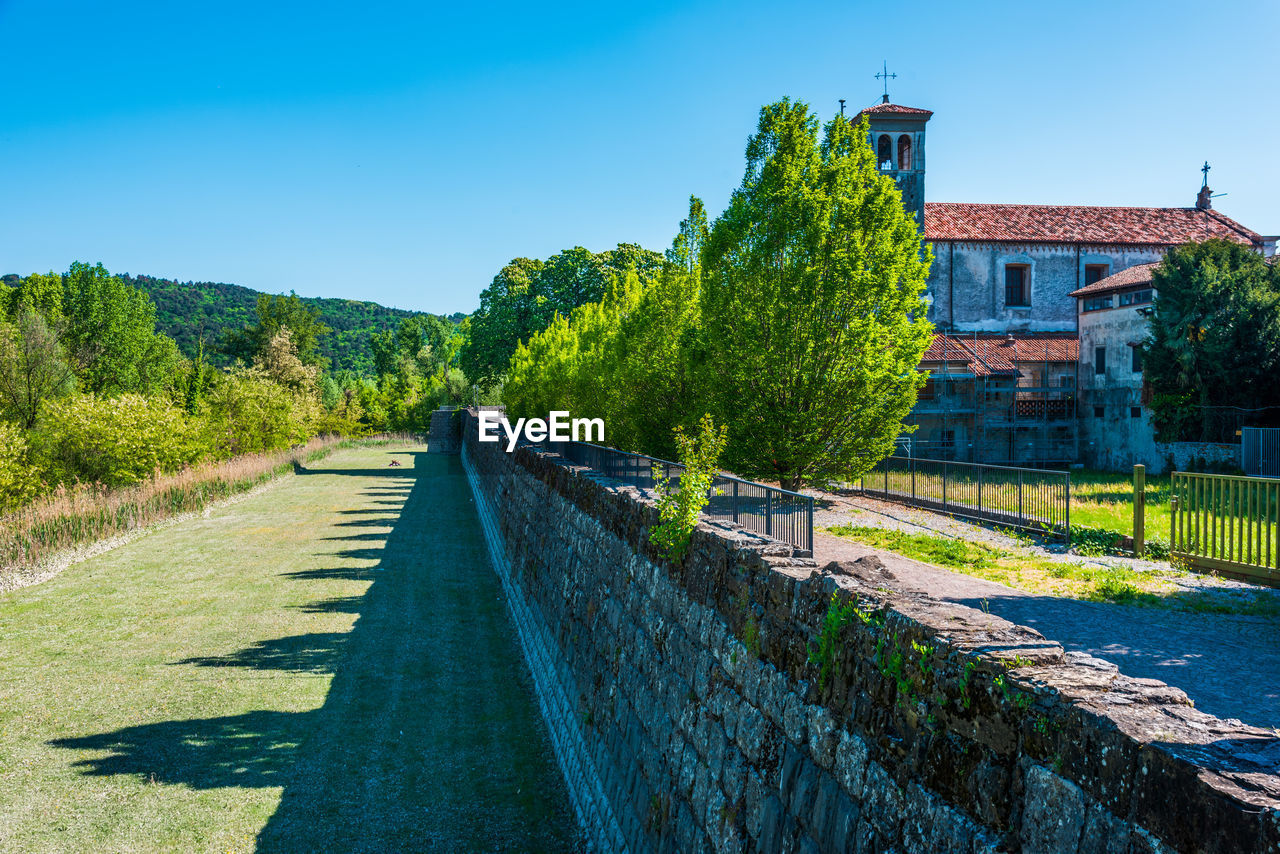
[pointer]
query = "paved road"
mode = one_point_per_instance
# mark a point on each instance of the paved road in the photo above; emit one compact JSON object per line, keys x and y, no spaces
{"x":1228,"y":665}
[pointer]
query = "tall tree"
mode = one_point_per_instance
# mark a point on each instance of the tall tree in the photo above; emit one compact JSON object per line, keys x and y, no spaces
{"x":1212,"y":352}
{"x":274,"y":313}
{"x":110,"y":336}
{"x":33,"y":367}
{"x":812,"y":319}
{"x":686,"y":249}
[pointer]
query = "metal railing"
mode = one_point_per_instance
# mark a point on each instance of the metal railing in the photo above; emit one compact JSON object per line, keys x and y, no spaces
{"x":776,"y":513}
{"x":1227,"y":524}
{"x":1031,"y":499}
{"x":1260,"y":451}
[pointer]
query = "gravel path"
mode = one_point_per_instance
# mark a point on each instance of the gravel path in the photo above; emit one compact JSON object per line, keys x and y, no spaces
{"x":1229,"y":665}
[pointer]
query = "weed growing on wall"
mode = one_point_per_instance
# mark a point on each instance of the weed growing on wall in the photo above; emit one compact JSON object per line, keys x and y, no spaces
{"x":823,"y":654}
{"x":680,"y":506}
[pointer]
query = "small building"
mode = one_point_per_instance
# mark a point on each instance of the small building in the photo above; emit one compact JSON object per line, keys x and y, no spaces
{"x":998,"y":398}
{"x":1115,"y":426}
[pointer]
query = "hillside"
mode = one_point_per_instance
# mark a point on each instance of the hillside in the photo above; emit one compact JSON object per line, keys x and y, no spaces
{"x":185,"y":311}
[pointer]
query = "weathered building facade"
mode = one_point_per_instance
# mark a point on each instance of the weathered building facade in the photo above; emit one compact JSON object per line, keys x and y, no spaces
{"x":998,"y":398}
{"x":1014,"y":273}
{"x":1115,"y":426}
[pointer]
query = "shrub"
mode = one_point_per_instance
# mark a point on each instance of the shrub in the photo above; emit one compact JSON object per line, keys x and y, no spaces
{"x":1157,"y":548}
{"x":1087,"y":540}
{"x":679,"y":508}
{"x":117,"y":441}
{"x":19,"y":479}
{"x":247,"y":412}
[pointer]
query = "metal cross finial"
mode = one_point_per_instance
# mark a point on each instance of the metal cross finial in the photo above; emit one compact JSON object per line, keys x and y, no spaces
{"x":885,"y":76}
{"x":1205,"y":170}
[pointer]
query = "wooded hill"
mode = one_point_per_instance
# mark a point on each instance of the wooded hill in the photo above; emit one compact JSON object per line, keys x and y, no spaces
{"x":185,"y":311}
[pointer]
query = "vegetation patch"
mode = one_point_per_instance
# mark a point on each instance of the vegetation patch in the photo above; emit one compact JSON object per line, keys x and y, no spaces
{"x":1034,"y":574}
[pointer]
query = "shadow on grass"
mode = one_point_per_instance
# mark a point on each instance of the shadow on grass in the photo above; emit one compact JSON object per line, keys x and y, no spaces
{"x":429,"y":737}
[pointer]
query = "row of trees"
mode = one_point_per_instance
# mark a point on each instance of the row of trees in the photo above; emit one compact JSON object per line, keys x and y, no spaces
{"x":795,"y":319}
{"x":91,"y":392}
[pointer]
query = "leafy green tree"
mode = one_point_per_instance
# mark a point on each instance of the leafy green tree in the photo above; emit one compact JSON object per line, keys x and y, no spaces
{"x":33,"y":368}
{"x":812,"y":319}
{"x":526,"y":296}
{"x":40,"y":293}
{"x":686,"y":250}
{"x":276,"y":312}
{"x":109,"y":334}
{"x":1212,"y":352}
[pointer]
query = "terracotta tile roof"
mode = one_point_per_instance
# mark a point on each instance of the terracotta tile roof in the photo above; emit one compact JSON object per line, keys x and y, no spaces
{"x":1133,"y":276}
{"x":1079,"y":224}
{"x":988,"y":354}
{"x":895,"y":109}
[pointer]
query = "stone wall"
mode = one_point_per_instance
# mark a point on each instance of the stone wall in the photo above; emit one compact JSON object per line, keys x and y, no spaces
{"x":750,"y":700}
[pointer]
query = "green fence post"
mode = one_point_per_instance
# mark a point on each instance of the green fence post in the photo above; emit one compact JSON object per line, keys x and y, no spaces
{"x":1139,"y":509}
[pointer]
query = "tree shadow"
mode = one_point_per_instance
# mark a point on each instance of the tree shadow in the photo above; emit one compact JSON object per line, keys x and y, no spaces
{"x":311,"y":653}
{"x":429,"y":738}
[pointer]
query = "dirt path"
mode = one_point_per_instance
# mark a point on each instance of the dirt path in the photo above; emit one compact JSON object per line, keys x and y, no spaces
{"x":1228,"y":665}
{"x":327,"y":666}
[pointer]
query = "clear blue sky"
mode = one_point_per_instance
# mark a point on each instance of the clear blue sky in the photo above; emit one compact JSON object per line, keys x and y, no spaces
{"x":402,"y":152}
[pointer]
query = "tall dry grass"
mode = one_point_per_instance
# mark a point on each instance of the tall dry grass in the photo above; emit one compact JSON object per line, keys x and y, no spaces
{"x":85,"y":514}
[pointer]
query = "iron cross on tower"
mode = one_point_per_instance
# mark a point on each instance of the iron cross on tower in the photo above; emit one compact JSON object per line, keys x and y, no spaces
{"x":886,"y":76}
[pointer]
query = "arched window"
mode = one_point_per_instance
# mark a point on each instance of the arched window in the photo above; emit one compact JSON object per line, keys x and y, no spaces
{"x":904,"y":152}
{"x":884,"y":151}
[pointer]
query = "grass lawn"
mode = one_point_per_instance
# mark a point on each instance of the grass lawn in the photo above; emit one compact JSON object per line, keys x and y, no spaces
{"x":325,"y":666}
{"x":1034,"y":574}
{"x":1105,"y":500}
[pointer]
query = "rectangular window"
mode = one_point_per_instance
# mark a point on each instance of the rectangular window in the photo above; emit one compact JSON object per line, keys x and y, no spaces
{"x":1135,"y":411}
{"x":1099,"y":411}
{"x":1137,"y":360}
{"x":1097,"y":303}
{"x":927,"y":391}
{"x":1136,"y":297}
{"x":1099,"y":360}
{"x":948,"y":438}
{"x":1067,"y":381}
{"x":1095,"y":272}
{"x":1017,"y":292}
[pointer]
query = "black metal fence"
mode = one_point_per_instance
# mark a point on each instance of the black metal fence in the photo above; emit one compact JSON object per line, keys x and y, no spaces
{"x":1031,"y":499}
{"x":775,"y":513}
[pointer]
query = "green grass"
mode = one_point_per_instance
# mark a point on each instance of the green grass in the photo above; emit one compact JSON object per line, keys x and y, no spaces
{"x":1026,"y":571}
{"x":1105,"y":500}
{"x":323,"y":666}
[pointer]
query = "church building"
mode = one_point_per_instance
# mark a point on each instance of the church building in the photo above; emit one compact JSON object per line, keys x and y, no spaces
{"x":1004,"y":293}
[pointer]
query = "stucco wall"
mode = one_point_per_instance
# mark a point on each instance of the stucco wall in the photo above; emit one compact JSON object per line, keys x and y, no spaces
{"x":1116,"y":440}
{"x":967,"y":282}
{"x":704,"y":714}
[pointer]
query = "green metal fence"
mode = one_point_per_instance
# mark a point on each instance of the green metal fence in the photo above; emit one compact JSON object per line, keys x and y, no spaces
{"x":1228,"y":524}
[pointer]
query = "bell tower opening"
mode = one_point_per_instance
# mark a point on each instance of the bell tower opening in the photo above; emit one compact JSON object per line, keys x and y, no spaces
{"x":897,"y":137}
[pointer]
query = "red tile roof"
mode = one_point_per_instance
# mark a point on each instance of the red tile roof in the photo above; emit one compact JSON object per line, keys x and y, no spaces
{"x":1079,"y":224}
{"x":896,"y":109}
{"x":1132,"y":277}
{"x":987,"y":354}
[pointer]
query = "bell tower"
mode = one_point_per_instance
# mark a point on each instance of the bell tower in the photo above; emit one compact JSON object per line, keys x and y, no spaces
{"x":897,"y":138}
